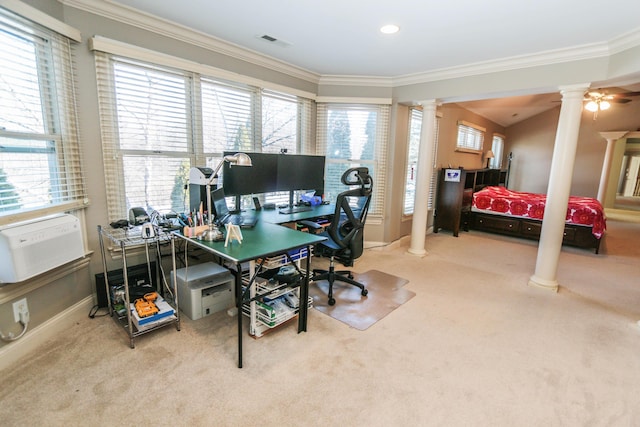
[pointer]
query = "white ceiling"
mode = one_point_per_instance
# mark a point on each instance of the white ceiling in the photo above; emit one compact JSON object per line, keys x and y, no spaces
{"x":342,"y":37}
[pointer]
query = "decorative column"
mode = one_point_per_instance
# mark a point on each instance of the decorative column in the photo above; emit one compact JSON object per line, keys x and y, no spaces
{"x":555,"y":212}
{"x":611,"y":138}
{"x":423,"y":177}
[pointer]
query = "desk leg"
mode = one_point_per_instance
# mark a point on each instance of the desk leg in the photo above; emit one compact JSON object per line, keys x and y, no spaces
{"x":304,"y":296}
{"x":239,"y":314}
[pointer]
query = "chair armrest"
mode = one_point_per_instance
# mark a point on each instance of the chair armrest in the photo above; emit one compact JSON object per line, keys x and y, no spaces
{"x":313,"y":227}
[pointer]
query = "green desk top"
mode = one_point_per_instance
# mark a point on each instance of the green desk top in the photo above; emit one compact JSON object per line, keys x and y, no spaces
{"x":265,"y":239}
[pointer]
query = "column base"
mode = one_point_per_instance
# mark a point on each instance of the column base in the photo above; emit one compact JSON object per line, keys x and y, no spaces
{"x":417,"y":252}
{"x":550,"y":285}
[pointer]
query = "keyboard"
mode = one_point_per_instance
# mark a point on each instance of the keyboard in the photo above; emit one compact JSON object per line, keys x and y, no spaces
{"x":295,"y":209}
{"x":244,"y":221}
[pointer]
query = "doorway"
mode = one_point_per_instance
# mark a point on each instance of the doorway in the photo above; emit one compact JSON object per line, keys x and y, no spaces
{"x":628,"y":190}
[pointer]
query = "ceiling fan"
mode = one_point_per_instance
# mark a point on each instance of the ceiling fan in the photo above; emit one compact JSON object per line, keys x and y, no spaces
{"x":600,"y":96}
{"x":599,"y":100}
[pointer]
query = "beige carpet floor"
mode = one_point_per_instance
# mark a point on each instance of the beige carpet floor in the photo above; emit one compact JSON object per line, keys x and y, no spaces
{"x":475,"y":346}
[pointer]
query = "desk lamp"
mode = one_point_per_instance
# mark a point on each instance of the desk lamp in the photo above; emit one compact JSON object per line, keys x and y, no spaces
{"x":238,"y":159}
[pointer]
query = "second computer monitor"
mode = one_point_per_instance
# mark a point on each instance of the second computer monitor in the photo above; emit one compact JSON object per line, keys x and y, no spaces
{"x":301,"y":172}
{"x":274,"y":172}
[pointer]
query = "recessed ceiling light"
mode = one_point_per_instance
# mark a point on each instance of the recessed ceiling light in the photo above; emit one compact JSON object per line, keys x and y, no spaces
{"x":390,"y":29}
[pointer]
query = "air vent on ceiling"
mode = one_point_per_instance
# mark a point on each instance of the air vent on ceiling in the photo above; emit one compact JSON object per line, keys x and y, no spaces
{"x":274,"y":40}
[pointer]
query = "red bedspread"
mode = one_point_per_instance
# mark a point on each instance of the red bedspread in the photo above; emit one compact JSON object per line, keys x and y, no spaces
{"x":581,"y":210}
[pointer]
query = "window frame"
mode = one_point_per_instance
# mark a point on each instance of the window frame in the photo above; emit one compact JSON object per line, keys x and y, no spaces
{"x":497,"y":147}
{"x":470,"y":137}
{"x":377,"y":165}
{"x":199,"y":152}
{"x":54,"y":45}
{"x":409,"y":197}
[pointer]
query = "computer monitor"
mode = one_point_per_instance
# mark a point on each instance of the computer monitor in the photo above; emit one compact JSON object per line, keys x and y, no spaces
{"x":261,"y":177}
{"x":274,"y":172}
{"x":301,"y":172}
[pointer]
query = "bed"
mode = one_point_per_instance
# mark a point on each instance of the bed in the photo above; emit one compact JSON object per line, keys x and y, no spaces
{"x":500,"y":210}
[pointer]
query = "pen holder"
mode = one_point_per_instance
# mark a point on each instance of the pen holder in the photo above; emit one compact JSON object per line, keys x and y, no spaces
{"x":194,"y":231}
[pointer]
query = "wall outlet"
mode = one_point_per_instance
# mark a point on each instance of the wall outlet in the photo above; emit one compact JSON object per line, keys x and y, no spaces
{"x":20,"y":306}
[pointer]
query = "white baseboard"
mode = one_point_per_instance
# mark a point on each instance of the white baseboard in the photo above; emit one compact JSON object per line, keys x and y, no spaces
{"x":19,"y":349}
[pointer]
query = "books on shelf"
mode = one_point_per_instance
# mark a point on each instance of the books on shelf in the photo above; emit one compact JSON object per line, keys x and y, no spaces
{"x":165,"y":313}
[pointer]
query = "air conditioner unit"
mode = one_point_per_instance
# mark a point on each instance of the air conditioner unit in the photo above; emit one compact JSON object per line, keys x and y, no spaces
{"x":30,"y":248}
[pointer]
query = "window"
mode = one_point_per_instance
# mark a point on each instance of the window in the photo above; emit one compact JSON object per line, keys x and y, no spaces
{"x":279,"y":123}
{"x":470,"y":137}
{"x":415,"y":129}
{"x":159,"y":121}
{"x":350,"y":136}
{"x":497,"y":146}
{"x":40,"y":163}
{"x":413,"y":147}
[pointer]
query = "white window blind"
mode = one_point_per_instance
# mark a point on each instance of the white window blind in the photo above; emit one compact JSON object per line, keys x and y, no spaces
{"x":497,"y":146}
{"x":40,"y":161}
{"x":434,"y":172}
{"x":158,"y":122}
{"x":413,"y":147}
{"x":146,"y":135}
{"x":286,"y":128}
{"x":279,"y":123}
{"x":350,"y":136}
{"x":229,"y":117}
{"x":470,"y":137}
{"x":415,"y":129}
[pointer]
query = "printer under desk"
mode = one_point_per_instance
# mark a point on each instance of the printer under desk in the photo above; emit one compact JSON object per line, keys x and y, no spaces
{"x":204,"y":289}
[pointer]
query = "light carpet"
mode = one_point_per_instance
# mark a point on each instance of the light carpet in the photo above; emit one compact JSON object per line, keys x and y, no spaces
{"x":476,"y":346}
{"x":385,"y":295}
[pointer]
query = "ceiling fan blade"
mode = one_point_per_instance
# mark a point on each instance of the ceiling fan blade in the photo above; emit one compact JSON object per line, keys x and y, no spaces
{"x":620,"y":100}
{"x":628,"y":94}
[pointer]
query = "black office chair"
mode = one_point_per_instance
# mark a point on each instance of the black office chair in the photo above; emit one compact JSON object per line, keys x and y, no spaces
{"x":345,"y":241}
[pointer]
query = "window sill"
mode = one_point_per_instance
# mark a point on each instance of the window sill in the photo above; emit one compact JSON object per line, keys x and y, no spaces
{"x":468,"y":151}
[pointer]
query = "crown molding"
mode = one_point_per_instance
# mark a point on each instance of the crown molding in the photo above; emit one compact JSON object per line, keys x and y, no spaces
{"x":120,"y":48}
{"x":353,"y":100}
{"x":556,"y":56}
{"x":625,"y":42}
{"x":138,"y":19}
{"x":336,"y":80}
{"x":41,"y":18}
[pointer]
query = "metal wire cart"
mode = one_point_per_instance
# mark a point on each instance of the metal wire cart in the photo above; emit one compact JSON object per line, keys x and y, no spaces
{"x":122,"y":296}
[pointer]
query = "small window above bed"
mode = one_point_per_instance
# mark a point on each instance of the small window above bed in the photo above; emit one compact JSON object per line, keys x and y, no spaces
{"x":470,"y":137}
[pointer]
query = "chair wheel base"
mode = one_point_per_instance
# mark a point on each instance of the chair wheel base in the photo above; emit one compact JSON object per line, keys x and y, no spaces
{"x":332,"y":301}
{"x":364,"y":292}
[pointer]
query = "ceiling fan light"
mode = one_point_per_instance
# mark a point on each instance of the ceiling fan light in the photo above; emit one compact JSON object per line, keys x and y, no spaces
{"x":604,"y":105}
{"x":592,"y":106}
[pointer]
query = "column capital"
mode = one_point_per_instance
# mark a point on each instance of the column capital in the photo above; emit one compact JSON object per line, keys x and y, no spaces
{"x":613,"y":136}
{"x":575,"y":88}
{"x":429,"y":103}
{"x":574,"y":91}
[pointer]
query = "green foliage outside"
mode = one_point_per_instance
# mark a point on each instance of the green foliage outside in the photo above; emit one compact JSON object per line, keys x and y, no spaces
{"x":9,"y":198}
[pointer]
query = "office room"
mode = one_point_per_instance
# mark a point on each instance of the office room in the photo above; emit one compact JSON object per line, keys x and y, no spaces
{"x":493,"y":328}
